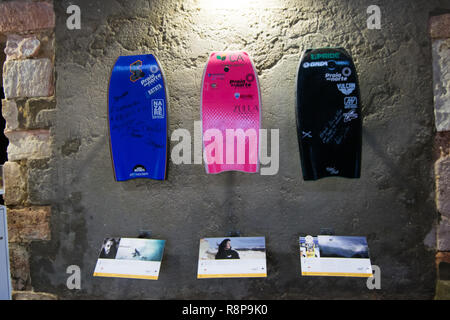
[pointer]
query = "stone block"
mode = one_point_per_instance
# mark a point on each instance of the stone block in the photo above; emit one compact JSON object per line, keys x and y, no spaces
{"x":443,"y":265}
{"x":34,"y":144}
{"x":21,"y":47}
{"x":20,"y":267}
{"x":10,"y":114}
{"x":442,"y":174}
{"x":442,"y":290}
{"x":443,"y":235}
{"x":29,"y":114}
{"x":31,"y":295}
{"x":441,"y":144}
{"x":441,"y":83}
{"x":37,"y":113}
{"x":29,"y":224}
{"x":440,"y":26}
{"x":15,"y":184}
{"x":28,"y":78}
{"x":26,"y":16}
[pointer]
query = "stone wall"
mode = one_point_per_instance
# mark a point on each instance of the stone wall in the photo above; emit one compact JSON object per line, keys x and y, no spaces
{"x":440,"y":33}
{"x":29,"y":111}
{"x":60,"y":190}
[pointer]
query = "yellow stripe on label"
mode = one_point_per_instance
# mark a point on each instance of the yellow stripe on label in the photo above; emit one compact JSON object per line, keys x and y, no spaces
{"x":338,"y":274}
{"x":128,"y":276}
{"x":243,"y":275}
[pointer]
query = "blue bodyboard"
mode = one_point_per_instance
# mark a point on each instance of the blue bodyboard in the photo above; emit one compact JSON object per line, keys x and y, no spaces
{"x":137,"y":110}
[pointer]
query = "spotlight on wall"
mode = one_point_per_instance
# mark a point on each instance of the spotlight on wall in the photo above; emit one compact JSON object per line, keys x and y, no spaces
{"x":238,"y":4}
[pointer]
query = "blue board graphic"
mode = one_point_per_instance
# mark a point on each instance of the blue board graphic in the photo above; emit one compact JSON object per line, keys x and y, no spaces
{"x":137,"y":107}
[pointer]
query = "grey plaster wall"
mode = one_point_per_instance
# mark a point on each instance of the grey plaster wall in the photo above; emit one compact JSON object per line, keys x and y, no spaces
{"x":392,"y":204}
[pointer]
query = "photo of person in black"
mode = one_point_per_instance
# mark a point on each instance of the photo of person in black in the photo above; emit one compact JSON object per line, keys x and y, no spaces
{"x":109,"y":248}
{"x":225,"y":251}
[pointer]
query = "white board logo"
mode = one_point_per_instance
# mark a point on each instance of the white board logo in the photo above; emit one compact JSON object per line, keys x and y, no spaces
{"x":139,"y":171}
{"x":154,"y":89}
{"x":158,"y":109}
{"x":351,"y":102}
{"x":349,"y":116}
{"x":315,"y":64}
{"x":335,"y":77}
{"x":346,"y":72}
{"x":332,"y":170}
{"x":346,"y":88}
{"x":154,"y":68}
{"x":151,"y":79}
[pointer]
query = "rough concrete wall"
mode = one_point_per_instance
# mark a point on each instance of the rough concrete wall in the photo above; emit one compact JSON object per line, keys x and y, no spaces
{"x":392,"y":204}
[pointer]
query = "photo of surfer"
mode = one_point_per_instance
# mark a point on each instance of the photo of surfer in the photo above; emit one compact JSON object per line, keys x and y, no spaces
{"x":232,"y":248}
{"x":141,"y":249}
{"x":343,"y":247}
{"x":109,"y":248}
{"x":309,"y":247}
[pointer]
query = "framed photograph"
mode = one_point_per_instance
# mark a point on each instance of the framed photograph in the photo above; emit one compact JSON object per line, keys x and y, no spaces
{"x":235,"y":257}
{"x":130,"y":258}
{"x":338,"y":256}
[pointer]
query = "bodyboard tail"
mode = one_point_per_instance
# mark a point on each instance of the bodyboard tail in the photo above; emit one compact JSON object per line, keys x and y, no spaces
{"x":328,"y":112}
{"x":138,"y":113}
{"x":231,"y":113}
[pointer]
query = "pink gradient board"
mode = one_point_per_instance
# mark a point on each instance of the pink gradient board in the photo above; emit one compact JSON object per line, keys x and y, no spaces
{"x":231,"y":113}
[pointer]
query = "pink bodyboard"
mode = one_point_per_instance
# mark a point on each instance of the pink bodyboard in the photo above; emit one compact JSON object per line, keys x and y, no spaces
{"x":231,"y":113}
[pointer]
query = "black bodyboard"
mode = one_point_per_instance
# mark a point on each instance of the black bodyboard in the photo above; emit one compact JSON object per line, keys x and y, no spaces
{"x":328,"y":113}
